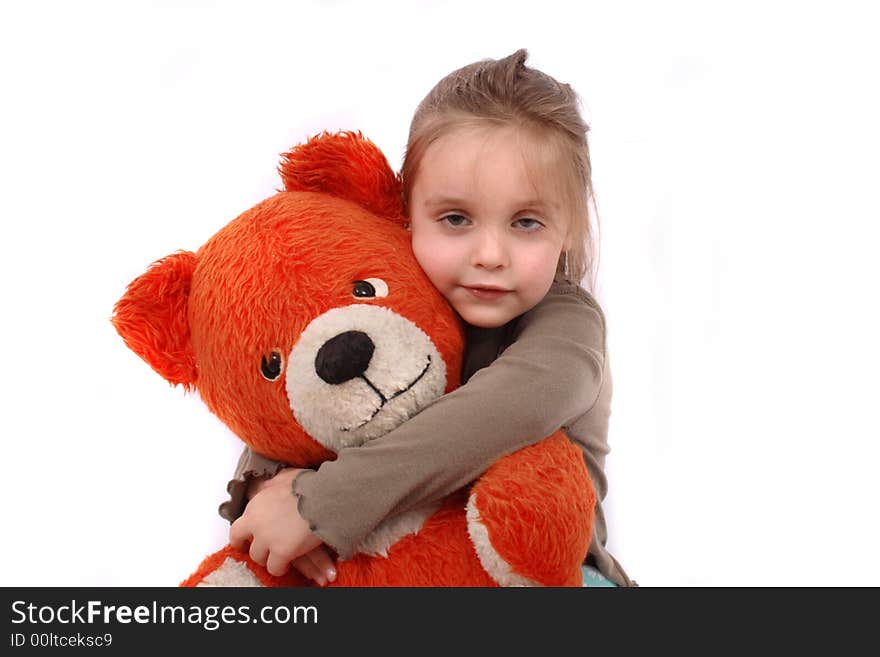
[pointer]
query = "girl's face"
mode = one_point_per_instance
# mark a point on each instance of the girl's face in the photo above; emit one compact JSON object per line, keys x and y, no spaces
{"x":489,"y":221}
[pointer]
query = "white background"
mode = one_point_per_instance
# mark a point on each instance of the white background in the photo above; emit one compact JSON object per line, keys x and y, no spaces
{"x":735,"y":150}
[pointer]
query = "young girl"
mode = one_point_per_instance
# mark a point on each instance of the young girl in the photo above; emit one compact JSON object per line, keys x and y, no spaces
{"x":497,"y":183}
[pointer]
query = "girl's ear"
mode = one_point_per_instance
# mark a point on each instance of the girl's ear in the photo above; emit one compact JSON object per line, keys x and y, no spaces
{"x":346,"y":165}
{"x":151,"y":317}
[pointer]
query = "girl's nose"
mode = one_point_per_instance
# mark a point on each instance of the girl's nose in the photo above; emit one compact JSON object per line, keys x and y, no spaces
{"x":489,"y":251}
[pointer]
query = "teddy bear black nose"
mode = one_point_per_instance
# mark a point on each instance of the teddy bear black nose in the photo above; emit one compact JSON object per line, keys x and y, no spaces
{"x":344,"y":357}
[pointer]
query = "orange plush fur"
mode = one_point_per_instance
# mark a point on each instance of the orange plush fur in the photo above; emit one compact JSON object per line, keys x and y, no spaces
{"x":271,"y":281}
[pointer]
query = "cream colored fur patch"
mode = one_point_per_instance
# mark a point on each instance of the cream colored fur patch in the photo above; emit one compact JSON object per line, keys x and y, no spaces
{"x":491,"y":561}
{"x":231,"y":573}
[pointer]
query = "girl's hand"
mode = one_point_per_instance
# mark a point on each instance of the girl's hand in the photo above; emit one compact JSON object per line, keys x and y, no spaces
{"x":276,"y":533}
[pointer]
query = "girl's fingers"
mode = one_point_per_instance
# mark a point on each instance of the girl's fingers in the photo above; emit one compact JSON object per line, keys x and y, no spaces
{"x":259,"y":552}
{"x":277,"y":566}
{"x":308,"y":569}
{"x":240,"y":535}
{"x":323,"y":562}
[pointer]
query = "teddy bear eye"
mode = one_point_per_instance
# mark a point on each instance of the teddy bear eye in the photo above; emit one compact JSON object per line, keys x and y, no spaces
{"x":271,"y":366}
{"x":370,"y":288}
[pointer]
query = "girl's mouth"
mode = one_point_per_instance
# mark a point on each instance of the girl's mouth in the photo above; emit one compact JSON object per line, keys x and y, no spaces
{"x":486,"y":293}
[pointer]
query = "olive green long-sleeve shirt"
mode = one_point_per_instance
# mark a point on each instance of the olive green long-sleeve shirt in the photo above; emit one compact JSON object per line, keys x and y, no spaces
{"x":549,"y":369}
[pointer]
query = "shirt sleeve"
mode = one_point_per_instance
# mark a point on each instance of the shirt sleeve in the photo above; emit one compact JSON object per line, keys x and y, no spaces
{"x":550,"y":375}
{"x":250,"y":466}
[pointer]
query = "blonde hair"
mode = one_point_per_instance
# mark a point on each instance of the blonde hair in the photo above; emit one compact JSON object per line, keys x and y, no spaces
{"x":507,"y":92}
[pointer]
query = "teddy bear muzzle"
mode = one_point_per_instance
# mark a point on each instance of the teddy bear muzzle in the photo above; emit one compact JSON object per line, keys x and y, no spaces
{"x":359,"y":371}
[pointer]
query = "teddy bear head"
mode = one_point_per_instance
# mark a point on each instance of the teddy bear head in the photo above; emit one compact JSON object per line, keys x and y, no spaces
{"x":305,"y":324}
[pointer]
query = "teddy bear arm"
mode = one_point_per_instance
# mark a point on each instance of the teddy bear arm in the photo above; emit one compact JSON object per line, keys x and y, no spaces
{"x":530,"y":516}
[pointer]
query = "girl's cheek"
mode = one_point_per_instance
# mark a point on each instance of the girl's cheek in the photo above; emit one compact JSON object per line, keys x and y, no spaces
{"x":422,"y":258}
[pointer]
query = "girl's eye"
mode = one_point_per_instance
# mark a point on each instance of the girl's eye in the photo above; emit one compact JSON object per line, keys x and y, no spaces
{"x":456,"y":220}
{"x":370,"y":288}
{"x":528,"y":223}
{"x":271,"y":366}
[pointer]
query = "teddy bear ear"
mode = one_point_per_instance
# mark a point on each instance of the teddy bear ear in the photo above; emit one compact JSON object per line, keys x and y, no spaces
{"x":151,"y":317}
{"x":346,"y":165}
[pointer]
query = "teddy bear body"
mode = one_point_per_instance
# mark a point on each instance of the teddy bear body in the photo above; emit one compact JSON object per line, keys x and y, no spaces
{"x":307,"y":326}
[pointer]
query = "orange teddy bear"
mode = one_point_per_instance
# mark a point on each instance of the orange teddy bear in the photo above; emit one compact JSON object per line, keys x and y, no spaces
{"x":306,"y":326}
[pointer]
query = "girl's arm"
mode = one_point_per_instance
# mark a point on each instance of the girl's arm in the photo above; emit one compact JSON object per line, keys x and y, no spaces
{"x":549,"y":376}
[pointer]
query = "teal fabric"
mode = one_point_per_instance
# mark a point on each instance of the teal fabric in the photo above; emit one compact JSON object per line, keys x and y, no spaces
{"x":594,"y":579}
